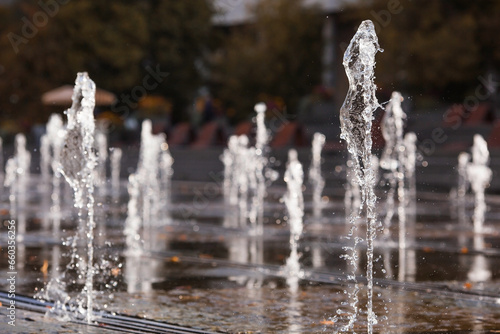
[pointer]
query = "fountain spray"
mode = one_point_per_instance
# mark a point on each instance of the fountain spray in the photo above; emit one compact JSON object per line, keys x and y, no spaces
{"x":315,"y":177}
{"x":479,"y":175}
{"x":393,"y":160}
{"x":294,"y":177}
{"x":115,"y":160}
{"x":78,"y":162}
{"x":55,"y":136}
{"x":356,"y":117}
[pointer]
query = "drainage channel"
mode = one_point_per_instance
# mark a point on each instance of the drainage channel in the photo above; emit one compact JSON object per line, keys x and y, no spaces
{"x":116,"y":322}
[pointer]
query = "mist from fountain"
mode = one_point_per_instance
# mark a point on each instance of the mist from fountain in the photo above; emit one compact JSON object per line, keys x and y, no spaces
{"x":479,"y":176}
{"x":356,"y":117}
{"x":294,"y":201}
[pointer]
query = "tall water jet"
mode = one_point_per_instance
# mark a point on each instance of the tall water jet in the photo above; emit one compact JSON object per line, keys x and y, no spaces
{"x":393,"y":160}
{"x":133,"y":221}
{"x":294,"y":177}
{"x":55,"y":135}
{"x":17,"y":172}
{"x":463,"y":181}
{"x":479,"y":175}
{"x":45,"y":160}
{"x":115,"y":160}
{"x":242,"y":168}
{"x":77,"y":165}
{"x":148,"y":174}
{"x":45,"y":179}
{"x":246,"y":173}
{"x":315,"y":176}
{"x":2,"y":174}
{"x":230,"y":160}
{"x":461,"y":196}
{"x":410,"y":145}
{"x":356,"y":117}
{"x":166,"y":172}
{"x":102,"y":156}
{"x":262,"y":173}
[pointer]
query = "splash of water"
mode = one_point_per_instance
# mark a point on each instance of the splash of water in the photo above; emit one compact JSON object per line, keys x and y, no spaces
{"x":315,"y":177}
{"x":356,"y":117}
{"x":479,"y":176}
{"x":77,"y":165}
{"x":294,"y":177}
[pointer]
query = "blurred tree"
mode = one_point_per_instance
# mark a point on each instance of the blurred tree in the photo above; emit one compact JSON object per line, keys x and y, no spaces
{"x":180,"y":34}
{"x":119,"y":43}
{"x":43,"y":48}
{"x":432,"y":47}
{"x":278,"y":54}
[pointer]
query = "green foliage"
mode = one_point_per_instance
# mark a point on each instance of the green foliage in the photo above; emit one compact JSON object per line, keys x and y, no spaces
{"x":115,"y":41}
{"x":278,"y":55}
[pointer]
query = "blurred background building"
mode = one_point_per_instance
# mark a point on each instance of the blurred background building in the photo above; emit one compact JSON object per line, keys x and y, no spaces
{"x":189,"y":64}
